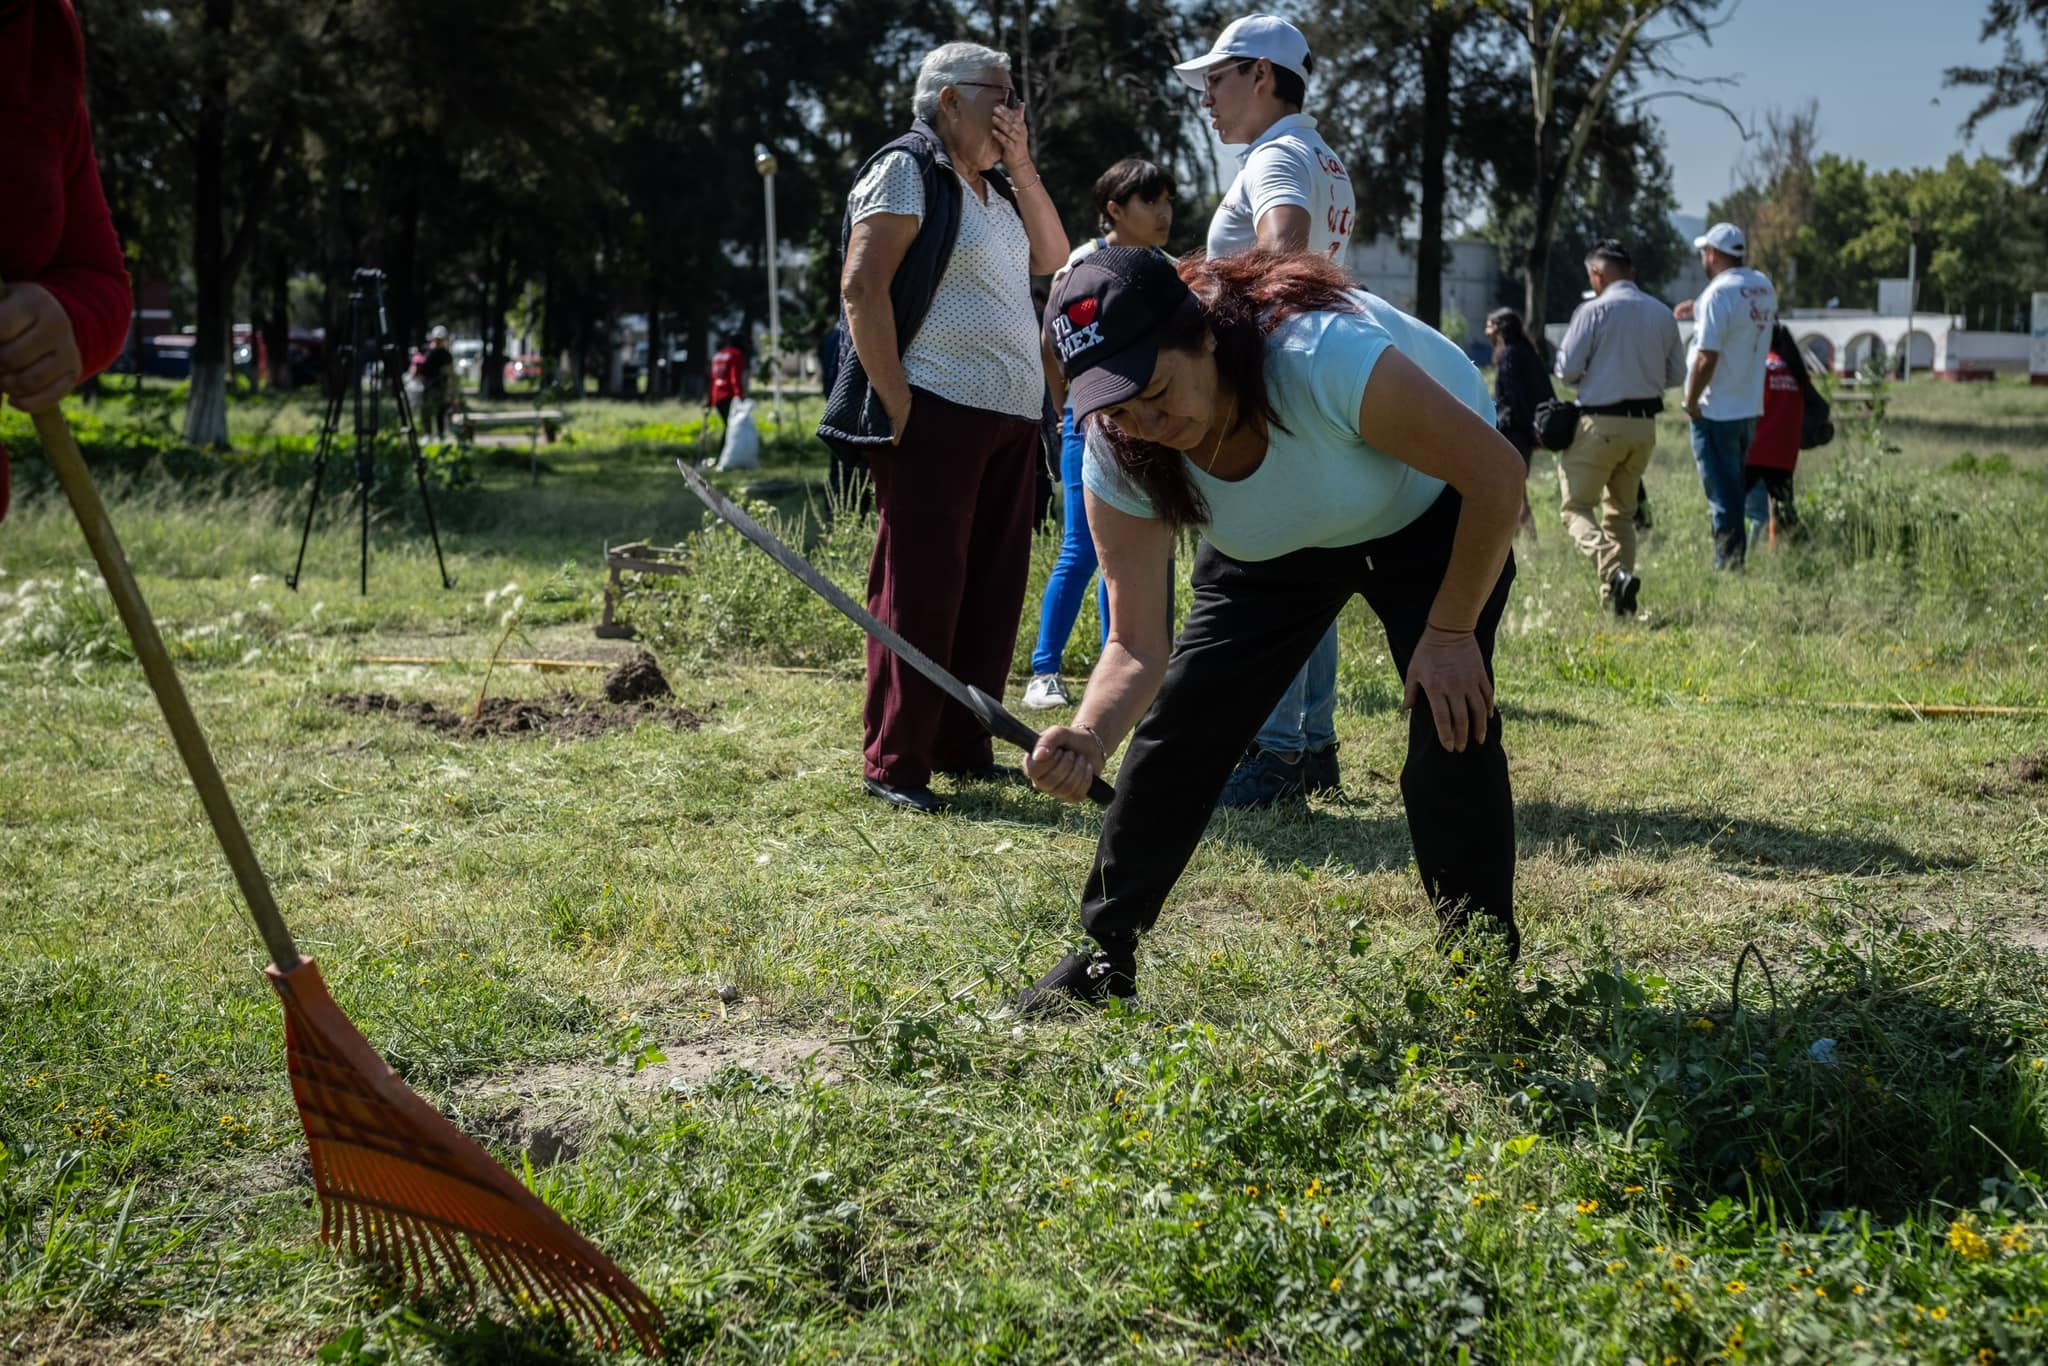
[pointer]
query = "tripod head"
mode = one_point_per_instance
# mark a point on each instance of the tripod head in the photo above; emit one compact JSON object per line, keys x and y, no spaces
{"x":366,"y":294}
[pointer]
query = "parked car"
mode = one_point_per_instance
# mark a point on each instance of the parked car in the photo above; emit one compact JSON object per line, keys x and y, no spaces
{"x":522,"y":370}
{"x":469,"y":358}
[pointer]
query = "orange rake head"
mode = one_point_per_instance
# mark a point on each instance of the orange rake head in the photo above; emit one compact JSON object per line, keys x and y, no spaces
{"x":400,"y":1184}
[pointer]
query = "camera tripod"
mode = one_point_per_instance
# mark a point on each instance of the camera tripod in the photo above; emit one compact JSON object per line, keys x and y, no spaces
{"x":368,"y":339}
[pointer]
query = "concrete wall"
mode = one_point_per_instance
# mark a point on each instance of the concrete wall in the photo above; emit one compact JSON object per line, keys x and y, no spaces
{"x":1472,"y":285}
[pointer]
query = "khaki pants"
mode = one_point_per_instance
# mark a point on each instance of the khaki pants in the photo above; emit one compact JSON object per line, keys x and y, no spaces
{"x":1605,"y":466}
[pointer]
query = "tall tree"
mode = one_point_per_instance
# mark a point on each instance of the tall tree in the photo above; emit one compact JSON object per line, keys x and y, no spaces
{"x":2019,"y":80}
{"x":1775,"y":202}
{"x":1579,"y":53}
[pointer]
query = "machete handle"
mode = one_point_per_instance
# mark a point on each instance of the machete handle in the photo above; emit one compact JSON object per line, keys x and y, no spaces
{"x":996,"y":719}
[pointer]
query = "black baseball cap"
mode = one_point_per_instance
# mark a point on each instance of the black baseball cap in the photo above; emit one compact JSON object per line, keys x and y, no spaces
{"x":1105,"y":321}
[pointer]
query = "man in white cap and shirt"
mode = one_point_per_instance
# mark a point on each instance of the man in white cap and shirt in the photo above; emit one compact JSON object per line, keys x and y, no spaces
{"x":1724,"y":382}
{"x":1290,"y":194}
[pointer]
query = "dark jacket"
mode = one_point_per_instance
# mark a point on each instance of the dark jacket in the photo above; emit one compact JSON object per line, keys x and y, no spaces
{"x":854,"y":417}
{"x":1519,"y":384}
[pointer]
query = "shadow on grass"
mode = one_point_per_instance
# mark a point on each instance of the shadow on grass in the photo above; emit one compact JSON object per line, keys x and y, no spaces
{"x":1884,"y":1078}
{"x":1372,"y":832}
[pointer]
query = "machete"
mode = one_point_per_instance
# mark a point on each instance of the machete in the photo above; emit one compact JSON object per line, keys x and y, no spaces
{"x":994,"y":719}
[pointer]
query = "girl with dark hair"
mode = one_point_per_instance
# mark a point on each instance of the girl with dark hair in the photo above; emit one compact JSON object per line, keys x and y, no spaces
{"x":1520,"y":382}
{"x":1328,"y":444}
{"x":1133,"y":208}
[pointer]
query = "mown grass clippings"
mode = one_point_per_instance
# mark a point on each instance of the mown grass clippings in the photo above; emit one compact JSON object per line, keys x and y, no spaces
{"x":1314,"y":1138}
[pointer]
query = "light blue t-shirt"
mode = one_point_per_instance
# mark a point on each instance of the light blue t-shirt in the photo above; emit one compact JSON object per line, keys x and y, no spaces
{"x":1321,"y":484}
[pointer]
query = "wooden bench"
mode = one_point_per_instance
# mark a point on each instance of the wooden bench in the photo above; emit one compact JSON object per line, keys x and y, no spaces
{"x":536,"y":423}
{"x":636,"y":557}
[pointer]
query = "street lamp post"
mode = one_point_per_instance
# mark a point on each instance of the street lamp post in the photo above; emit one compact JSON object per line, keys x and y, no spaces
{"x":1912,"y":270}
{"x":764,"y":162}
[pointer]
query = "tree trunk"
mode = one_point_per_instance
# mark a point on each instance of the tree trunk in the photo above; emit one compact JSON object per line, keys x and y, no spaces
{"x":1436,"y":141}
{"x":206,"y":410}
{"x":277,"y":320}
{"x":657,"y":342}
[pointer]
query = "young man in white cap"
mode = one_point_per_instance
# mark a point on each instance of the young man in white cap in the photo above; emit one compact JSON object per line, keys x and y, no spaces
{"x":1724,"y":382}
{"x":1290,"y":194}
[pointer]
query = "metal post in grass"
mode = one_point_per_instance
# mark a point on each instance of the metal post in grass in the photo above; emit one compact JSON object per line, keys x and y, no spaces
{"x":1912,"y":270}
{"x":764,"y":162}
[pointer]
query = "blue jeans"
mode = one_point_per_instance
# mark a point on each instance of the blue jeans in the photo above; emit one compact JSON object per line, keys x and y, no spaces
{"x":1720,"y":447}
{"x":1307,"y":715}
{"x":1068,"y":583}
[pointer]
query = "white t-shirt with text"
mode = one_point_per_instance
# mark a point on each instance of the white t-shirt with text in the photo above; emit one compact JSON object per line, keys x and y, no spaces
{"x":978,"y":345}
{"x":1288,"y":164}
{"x":1733,"y":319}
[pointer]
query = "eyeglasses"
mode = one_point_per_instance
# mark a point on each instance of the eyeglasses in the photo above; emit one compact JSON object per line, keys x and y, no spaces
{"x":1011,"y":99}
{"x":1213,"y":77}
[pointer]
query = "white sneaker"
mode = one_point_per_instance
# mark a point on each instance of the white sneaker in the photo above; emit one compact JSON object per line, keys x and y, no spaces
{"x":1045,"y":692}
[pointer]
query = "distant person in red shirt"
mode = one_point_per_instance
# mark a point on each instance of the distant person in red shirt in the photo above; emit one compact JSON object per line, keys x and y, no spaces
{"x":1774,"y":450}
{"x":728,"y":377}
{"x":67,"y":307}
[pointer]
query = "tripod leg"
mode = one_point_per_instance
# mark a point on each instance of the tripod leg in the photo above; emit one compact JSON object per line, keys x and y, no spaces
{"x":330,"y":428}
{"x":419,"y":467}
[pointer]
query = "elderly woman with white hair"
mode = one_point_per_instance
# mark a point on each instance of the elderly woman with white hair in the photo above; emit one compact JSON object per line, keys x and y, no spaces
{"x":941,"y":390}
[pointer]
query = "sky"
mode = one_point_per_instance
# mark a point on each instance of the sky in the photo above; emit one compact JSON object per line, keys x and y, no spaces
{"x":1875,"y":66}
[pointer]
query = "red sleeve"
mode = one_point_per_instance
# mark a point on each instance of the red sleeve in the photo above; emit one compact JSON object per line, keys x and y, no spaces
{"x":87,"y":274}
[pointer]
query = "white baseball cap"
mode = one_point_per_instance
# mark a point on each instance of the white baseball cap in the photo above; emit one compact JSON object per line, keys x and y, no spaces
{"x":1249,"y":38}
{"x":1725,"y":238}
{"x":438,"y":334}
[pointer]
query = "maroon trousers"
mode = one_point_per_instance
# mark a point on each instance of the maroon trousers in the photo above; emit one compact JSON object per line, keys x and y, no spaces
{"x":951,"y":555}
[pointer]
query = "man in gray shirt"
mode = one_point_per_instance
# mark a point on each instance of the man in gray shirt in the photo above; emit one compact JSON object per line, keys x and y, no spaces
{"x":1621,"y":353}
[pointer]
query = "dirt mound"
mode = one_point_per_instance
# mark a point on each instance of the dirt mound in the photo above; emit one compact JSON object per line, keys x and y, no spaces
{"x":2033,"y":769}
{"x":565,"y":715}
{"x":639,"y":679}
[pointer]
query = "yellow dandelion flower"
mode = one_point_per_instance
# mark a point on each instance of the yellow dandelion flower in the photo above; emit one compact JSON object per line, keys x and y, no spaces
{"x":1613,"y":1267}
{"x":1967,"y":1243}
{"x":1631,"y":1190}
{"x":1588,"y":1206}
{"x":1473,"y":1176}
{"x":1680,"y":1263}
{"x":1856,"y":1289}
{"x":1336,"y":1282}
{"x":1939,"y":1312}
{"x":1252,"y":1191}
{"x":1735,"y":1287}
{"x":1527,"y":1206}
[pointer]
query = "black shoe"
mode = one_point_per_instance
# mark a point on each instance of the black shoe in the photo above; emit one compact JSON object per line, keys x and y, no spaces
{"x":1084,"y":978}
{"x":1319,"y":777}
{"x":1008,"y":775}
{"x":919,"y":799}
{"x":1622,"y":590}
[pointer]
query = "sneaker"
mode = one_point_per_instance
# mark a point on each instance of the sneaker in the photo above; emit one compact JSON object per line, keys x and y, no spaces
{"x":1045,"y":692}
{"x":1319,"y":776}
{"x":1263,"y":778}
{"x":1085,"y":977}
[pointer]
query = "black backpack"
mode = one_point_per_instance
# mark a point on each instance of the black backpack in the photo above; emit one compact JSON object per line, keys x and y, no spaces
{"x":1557,"y":424}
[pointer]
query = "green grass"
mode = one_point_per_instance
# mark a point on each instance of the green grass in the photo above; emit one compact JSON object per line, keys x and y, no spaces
{"x":1312,"y":1142}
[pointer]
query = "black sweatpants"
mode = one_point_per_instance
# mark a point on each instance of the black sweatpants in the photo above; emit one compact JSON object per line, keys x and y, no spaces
{"x":1250,"y":630}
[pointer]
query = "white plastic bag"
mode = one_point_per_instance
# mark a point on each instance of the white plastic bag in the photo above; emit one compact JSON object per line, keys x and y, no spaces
{"x":742,"y":438}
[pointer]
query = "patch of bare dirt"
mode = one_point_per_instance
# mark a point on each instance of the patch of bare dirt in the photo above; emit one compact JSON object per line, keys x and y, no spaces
{"x":566,"y":716}
{"x":546,"y":1112}
{"x":2031,"y":769}
{"x":639,"y":679}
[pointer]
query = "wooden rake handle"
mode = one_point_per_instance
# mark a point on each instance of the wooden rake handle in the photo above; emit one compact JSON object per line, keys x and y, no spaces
{"x":163,"y":680}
